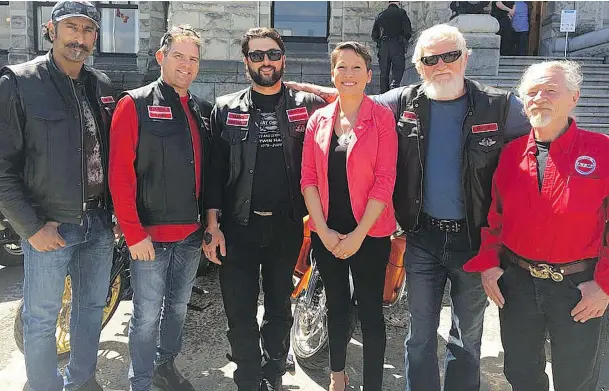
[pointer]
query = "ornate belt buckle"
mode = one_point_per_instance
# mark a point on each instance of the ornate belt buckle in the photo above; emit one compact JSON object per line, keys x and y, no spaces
{"x":545,"y":271}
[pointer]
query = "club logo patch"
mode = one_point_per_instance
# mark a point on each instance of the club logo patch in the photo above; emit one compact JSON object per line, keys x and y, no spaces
{"x":160,"y":112}
{"x":106,"y":99}
{"x":300,"y":128}
{"x":487,"y":142}
{"x":585,"y":165}
{"x":409,"y":116}
{"x":236,"y":119}
{"x":297,"y":114}
{"x":485,"y":128}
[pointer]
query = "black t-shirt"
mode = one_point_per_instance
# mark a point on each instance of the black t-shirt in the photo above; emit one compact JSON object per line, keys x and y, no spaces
{"x":92,"y":148}
{"x":542,"y":157}
{"x":271,"y":189}
{"x":340,"y":213}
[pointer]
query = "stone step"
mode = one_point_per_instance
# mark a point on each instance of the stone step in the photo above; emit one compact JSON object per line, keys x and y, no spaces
{"x":528,"y":60}
{"x":586,"y":88}
{"x":592,"y":107}
{"x":509,"y":78}
{"x":588,"y":73}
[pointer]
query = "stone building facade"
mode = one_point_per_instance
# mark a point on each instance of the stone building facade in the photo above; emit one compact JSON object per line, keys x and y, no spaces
{"x":222,"y":23}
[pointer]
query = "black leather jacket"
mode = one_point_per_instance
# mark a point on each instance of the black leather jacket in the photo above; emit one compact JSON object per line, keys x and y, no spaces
{"x":234,"y":147}
{"x":42,"y":169}
{"x":484,"y":137}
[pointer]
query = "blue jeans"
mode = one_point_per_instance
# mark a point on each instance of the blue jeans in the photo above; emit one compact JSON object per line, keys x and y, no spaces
{"x":431,"y":258}
{"x":161,"y":291}
{"x":87,"y":258}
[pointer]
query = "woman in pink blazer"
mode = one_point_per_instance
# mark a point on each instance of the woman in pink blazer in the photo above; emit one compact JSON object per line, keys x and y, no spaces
{"x":348,"y":174}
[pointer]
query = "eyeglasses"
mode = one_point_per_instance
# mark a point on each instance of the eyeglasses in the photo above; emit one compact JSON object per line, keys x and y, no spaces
{"x":447,"y":57}
{"x":177,"y":30}
{"x":258,"y":55}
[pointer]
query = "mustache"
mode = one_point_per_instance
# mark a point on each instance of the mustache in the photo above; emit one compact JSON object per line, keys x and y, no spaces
{"x":76,"y":45}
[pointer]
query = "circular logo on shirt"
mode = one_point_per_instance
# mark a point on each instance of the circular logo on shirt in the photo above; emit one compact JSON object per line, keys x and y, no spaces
{"x":585,"y":165}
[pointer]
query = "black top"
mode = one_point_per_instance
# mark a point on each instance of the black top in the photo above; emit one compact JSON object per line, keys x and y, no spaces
{"x":270,"y":188}
{"x":393,"y":22}
{"x":542,"y":157}
{"x":499,"y":13}
{"x":340,"y":213}
{"x":92,"y":148}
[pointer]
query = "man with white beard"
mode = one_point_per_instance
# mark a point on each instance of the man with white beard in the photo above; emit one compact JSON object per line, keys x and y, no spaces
{"x":451,"y":131}
{"x":544,"y":258}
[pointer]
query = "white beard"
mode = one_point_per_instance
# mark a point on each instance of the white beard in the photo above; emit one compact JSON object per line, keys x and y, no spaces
{"x":540,"y":120}
{"x":447,"y":90}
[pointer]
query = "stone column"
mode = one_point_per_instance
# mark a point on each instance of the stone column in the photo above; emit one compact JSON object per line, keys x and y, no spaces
{"x":23,"y":31}
{"x":479,"y":32}
{"x":335,"y":32}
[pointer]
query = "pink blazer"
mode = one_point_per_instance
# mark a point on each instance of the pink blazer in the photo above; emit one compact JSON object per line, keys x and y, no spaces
{"x":371,"y":161}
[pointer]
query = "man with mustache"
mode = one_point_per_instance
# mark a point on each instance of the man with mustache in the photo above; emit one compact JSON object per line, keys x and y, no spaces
{"x":254,"y":180}
{"x":54,"y":126}
{"x":159,"y":153}
{"x":544,"y":257}
{"x":451,"y":131}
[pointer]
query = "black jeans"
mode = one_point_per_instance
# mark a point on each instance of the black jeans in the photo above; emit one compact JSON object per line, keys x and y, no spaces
{"x":534,"y":306}
{"x":506,"y":31}
{"x":367,"y":266}
{"x":392,"y":61}
{"x":521,"y":43}
{"x":271,"y":243}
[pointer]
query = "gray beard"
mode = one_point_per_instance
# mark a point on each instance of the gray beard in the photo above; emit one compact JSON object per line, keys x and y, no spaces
{"x":443,"y":91}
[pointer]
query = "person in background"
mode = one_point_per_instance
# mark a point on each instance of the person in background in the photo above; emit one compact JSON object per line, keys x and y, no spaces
{"x":520,"y":25}
{"x":391,"y":32}
{"x":348,"y":174}
{"x":503,"y":12}
{"x":159,"y":149}
{"x":544,"y":257}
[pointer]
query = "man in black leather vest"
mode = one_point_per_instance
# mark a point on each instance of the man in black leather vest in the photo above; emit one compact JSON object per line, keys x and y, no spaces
{"x":54,"y":126}
{"x":254,"y":180}
{"x":451,"y":131}
{"x":158,"y":154}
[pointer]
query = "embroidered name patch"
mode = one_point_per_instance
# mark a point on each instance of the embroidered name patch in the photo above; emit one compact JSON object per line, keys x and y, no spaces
{"x":160,"y":112}
{"x":409,"y":116}
{"x":485,"y":128}
{"x":106,"y":99}
{"x":297,"y":114}
{"x":585,"y":165}
{"x":236,"y":119}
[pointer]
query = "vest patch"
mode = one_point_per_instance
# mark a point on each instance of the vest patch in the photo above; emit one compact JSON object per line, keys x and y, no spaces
{"x":106,"y":99}
{"x":485,"y":128}
{"x":160,"y":112}
{"x":297,"y":114}
{"x":235,"y":119}
{"x":409,"y":116}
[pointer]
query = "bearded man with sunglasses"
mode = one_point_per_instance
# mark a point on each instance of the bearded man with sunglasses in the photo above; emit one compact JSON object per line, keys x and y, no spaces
{"x":159,"y":149}
{"x":254,"y":180}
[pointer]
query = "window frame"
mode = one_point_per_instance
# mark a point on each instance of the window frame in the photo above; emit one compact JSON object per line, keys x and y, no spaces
{"x":5,"y":3}
{"x":300,"y":38}
{"x":38,"y":23}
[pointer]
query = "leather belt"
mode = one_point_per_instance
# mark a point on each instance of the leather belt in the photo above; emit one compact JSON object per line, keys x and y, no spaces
{"x":451,"y":226}
{"x":547,"y":270}
{"x":94,"y":203}
{"x":260,"y":213}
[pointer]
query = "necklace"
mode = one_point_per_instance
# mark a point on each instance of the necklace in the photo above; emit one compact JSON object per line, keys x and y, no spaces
{"x":346,"y":136}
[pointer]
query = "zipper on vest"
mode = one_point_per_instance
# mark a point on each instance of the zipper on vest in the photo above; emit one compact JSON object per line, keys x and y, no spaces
{"x":194,"y":160}
{"x":463,"y":151}
{"x":82,"y":151}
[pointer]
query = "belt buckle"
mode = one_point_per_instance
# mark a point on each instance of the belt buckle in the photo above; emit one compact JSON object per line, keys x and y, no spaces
{"x":448,"y":225}
{"x":545,"y":271}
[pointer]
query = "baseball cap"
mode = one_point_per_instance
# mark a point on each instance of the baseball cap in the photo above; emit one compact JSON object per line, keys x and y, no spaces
{"x":68,"y":9}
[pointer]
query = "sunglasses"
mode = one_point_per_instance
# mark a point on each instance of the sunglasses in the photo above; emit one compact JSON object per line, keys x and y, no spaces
{"x":258,"y":55}
{"x":446,"y":57}
{"x":178,"y":30}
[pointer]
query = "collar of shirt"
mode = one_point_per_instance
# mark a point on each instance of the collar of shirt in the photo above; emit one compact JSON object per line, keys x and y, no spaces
{"x":562,"y":143}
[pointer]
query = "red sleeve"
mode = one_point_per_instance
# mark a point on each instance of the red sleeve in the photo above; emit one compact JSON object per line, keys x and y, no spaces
{"x":121,"y":177}
{"x":601,"y":273}
{"x":488,"y":256}
{"x":308,"y":172}
{"x":386,"y":160}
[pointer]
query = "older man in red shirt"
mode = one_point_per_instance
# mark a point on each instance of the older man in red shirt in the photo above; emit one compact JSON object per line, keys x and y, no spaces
{"x":544,"y":257}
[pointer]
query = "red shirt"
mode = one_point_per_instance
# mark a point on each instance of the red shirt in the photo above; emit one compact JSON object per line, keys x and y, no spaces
{"x":371,"y":161}
{"x":565,"y":221}
{"x":123,"y":182}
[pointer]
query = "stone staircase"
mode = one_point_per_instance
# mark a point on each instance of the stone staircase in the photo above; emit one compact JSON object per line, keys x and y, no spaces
{"x":592,"y":111}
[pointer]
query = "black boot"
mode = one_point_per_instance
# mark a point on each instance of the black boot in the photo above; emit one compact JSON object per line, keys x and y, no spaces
{"x":90,"y":385}
{"x":167,"y":378}
{"x":271,"y":385}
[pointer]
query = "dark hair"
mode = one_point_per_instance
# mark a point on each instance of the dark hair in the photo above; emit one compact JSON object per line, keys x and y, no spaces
{"x":177,"y":33}
{"x":45,"y":31}
{"x":357,"y":47}
{"x":260,"y":32}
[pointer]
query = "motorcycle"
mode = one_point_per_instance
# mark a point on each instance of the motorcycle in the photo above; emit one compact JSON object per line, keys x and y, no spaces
{"x":11,"y":253}
{"x":309,"y":334}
